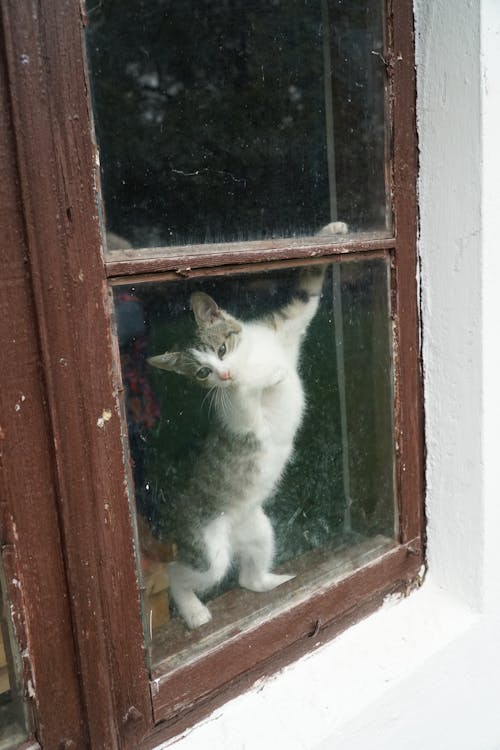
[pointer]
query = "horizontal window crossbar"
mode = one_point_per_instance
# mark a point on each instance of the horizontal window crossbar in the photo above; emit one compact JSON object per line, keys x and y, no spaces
{"x":183,"y":260}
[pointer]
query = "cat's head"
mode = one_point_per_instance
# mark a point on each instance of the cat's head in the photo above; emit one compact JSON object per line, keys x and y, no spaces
{"x":208,"y":361}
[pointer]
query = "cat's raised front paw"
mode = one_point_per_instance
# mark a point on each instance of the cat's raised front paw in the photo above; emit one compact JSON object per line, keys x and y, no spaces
{"x":334,"y":227}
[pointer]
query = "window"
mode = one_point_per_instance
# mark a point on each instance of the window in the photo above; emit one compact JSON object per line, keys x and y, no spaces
{"x":257,"y":177}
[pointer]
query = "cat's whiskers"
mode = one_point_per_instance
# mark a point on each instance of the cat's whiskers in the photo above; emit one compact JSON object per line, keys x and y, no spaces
{"x":209,"y":395}
{"x":227,"y":402}
{"x":215,"y":394}
{"x":220,"y":400}
{"x":215,"y":399}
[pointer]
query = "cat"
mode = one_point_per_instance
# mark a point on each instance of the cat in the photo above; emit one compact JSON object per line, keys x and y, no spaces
{"x":259,"y":402}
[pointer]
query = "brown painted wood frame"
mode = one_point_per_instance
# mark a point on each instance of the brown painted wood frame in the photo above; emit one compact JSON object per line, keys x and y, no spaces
{"x":30,"y":530}
{"x":60,"y":302}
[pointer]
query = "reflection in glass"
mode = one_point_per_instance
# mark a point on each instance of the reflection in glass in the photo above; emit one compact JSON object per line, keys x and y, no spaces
{"x":12,"y":717}
{"x":241,"y":120}
{"x":260,"y":424}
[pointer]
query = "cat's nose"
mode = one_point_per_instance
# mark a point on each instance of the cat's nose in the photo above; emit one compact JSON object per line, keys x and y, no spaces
{"x":226,"y":375}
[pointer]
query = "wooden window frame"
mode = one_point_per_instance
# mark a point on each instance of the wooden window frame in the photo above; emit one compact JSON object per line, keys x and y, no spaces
{"x":98,"y":666}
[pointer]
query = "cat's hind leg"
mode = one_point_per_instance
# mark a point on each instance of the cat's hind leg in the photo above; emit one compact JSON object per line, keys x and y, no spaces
{"x":183,"y":581}
{"x":186,"y":581}
{"x":253,"y":544}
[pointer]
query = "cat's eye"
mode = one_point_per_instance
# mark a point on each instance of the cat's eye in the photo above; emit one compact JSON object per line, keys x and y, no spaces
{"x":221,"y":351}
{"x":203,"y":373}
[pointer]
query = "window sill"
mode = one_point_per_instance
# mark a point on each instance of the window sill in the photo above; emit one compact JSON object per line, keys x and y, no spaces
{"x":343,"y":678}
{"x":238,"y":610}
{"x":232,"y":669}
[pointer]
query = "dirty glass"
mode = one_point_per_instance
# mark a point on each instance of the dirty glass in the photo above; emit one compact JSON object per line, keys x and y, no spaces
{"x":237,"y":120}
{"x":12,"y":710}
{"x":213,"y":407}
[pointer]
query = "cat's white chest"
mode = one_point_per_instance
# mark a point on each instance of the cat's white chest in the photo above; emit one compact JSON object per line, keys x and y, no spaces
{"x":281,"y":410}
{"x":281,"y":417}
{"x":266,"y":401}
{"x":274,"y":416}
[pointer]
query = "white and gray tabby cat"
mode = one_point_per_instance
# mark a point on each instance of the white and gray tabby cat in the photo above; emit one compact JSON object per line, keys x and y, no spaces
{"x":259,"y":401}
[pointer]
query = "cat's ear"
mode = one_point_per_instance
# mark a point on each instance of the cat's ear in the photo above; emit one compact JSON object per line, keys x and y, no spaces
{"x":205,"y":309}
{"x":172,"y":361}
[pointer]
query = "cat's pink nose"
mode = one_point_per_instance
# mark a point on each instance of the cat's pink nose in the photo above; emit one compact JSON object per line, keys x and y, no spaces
{"x":226,"y":375}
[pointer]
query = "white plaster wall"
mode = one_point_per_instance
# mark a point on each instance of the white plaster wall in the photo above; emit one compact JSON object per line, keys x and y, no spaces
{"x":449,"y":128}
{"x":490,"y":87}
{"x":425,"y":673}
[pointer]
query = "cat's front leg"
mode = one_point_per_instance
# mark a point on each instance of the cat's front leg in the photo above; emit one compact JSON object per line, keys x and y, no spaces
{"x":311,"y":279}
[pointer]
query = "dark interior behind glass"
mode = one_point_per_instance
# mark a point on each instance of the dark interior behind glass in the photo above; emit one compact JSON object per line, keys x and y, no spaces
{"x":236,"y":119}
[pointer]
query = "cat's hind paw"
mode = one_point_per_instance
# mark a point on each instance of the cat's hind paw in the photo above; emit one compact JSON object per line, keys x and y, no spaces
{"x":196,"y":616}
{"x":265,"y":582}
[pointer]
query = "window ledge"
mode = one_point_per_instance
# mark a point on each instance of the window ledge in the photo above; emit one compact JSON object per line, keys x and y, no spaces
{"x":315,"y":699}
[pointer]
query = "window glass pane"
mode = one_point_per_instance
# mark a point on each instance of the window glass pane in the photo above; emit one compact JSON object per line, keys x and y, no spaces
{"x":238,"y":120}
{"x":257,"y":410}
{"x":12,"y":715}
